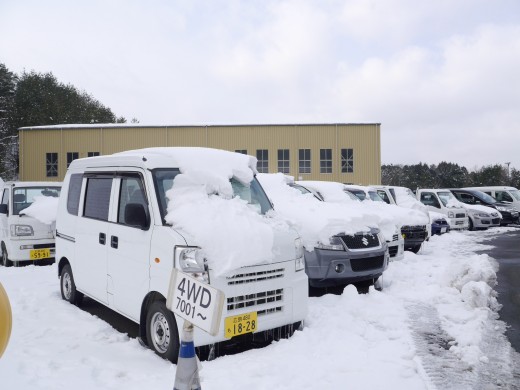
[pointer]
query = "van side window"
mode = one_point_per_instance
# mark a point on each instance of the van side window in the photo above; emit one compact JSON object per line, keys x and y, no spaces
{"x":131,"y":195}
{"x":97,"y":198}
{"x":5,"y":197}
{"x":74,"y":192}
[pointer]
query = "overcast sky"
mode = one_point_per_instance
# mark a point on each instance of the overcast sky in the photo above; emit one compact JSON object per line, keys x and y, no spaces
{"x":442,"y":77}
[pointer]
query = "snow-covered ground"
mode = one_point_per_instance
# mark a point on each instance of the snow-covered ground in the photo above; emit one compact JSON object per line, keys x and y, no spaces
{"x":434,"y":326}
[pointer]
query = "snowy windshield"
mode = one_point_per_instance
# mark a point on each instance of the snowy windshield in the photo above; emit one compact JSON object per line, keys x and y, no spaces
{"x":360,"y":194}
{"x":516,"y":194}
{"x":252,"y":193}
{"x":23,"y":197}
{"x":375,"y":196}
{"x":446,"y":197}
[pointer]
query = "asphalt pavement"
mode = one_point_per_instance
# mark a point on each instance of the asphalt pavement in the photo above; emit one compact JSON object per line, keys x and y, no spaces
{"x":507,"y":252}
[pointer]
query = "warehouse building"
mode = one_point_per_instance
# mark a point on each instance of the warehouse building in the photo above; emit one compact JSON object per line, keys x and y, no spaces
{"x":346,"y":153}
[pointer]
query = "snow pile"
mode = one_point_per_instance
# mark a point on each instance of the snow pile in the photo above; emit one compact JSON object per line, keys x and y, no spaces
{"x":44,"y":209}
{"x":435,"y":216}
{"x":202,"y":206}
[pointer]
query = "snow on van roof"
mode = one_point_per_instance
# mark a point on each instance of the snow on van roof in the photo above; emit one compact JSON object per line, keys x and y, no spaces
{"x":203,"y":207}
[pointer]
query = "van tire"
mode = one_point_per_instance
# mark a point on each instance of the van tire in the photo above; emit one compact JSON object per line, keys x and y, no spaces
{"x":5,"y":257}
{"x":161,"y":331}
{"x":68,"y":287}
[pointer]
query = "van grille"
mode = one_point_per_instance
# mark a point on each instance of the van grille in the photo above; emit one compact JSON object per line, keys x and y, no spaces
{"x":393,"y":250}
{"x":367,"y":263}
{"x":260,"y":298}
{"x":361,"y":241}
{"x":460,"y":215}
{"x":395,"y":237}
{"x":253,"y":277}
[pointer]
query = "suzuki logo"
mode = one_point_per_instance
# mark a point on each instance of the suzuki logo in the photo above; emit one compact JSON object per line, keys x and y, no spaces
{"x":364,"y":241}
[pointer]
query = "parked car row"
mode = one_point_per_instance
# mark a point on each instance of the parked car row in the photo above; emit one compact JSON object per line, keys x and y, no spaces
{"x":124,"y":221}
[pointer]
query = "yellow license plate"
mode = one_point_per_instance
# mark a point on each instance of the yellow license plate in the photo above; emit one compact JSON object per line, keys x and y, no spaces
{"x":38,"y":254}
{"x":240,"y":324}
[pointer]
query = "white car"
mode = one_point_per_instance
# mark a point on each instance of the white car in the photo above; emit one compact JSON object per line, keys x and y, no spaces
{"x":443,"y":201}
{"x":25,"y":239}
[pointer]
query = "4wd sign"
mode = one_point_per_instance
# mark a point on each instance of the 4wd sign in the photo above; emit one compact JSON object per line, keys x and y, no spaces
{"x":195,"y":301}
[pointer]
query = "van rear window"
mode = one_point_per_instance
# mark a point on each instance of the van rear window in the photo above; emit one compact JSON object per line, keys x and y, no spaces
{"x":97,"y":198}
{"x":74,"y":193}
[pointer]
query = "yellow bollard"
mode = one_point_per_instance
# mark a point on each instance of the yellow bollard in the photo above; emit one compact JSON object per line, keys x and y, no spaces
{"x":6,"y":320}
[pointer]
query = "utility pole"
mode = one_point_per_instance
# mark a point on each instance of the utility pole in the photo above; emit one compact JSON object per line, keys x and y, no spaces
{"x":508,"y":177}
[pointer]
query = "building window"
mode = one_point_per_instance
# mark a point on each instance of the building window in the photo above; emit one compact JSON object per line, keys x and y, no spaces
{"x":347,"y":160}
{"x":241,"y":151}
{"x":92,"y":154}
{"x":304,"y":157}
{"x":325,"y":160}
{"x":71,"y":156}
{"x":262,"y":156}
{"x":283,"y":160}
{"x":52,"y":164}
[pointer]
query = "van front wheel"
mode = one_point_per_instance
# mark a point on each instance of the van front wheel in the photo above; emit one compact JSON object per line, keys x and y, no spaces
{"x":161,"y":331}
{"x":68,"y":287}
{"x":5,"y":258}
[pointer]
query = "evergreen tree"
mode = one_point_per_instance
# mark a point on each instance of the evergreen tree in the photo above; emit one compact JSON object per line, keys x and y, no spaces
{"x":8,"y":136}
{"x":449,"y":175}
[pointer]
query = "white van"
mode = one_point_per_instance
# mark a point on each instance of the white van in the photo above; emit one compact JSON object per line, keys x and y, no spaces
{"x":24,"y":238}
{"x":116,"y":243}
{"x":502,"y":194}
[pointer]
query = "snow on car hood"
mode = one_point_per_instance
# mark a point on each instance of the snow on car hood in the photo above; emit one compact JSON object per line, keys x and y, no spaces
{"x":43,"y":209}
{"x":316,"y":221}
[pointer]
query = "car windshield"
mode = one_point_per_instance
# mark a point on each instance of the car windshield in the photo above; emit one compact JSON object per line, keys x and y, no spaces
{"x":515,"y":193}
{"x":253,"y":193}
{"x":359,"y":194}
{"x":375,"y":196}
{"x":485,"y":197}
{"x":23,"y":197}
{"x":446,"y":198}
{"x":304,"y":191}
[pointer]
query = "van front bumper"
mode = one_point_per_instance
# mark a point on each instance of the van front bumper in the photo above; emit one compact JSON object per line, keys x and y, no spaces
{"x":20,"y":251}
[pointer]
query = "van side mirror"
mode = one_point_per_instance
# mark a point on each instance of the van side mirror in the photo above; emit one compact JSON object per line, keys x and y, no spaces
{"x":135,"y":215}
{"x":3,"y":209}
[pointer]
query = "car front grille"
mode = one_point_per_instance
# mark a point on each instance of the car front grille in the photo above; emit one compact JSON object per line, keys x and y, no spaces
{"x":361,"y":241}
{"x":496,"y":221}
{"x":395,"y":237}
{"x":252,"y":277}
{"x":368,"y":263}
{"x":460,"y":215}
{"x":43,"y":246}
{"x":414,"y":231}
{"x":260,"y":298}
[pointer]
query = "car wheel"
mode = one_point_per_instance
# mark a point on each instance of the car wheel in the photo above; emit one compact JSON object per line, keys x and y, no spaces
{"x":68,"y":287}
{"x":416,"y":249}
{"x":161,"y":331}
{"x":471,"y":227}
{"x":5,"y":257}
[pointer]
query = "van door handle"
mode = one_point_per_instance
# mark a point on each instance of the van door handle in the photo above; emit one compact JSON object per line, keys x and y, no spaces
{"x":102,"y":238}
{"x":113,"y":242}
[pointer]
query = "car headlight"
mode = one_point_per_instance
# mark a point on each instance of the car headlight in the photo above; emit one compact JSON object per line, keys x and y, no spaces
{"x":500,"y":208}
{"x":190,"y":259}
{"x":300,"y":261}
{"x":482,"y":215}
{"x":335,"y":244}
{"x":451,"y":214}
{"x":22,"y":230}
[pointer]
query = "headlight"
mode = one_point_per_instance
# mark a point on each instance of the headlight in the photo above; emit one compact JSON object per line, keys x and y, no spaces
{"x":335,"y":244}
{"x":298,"y":247}
{"x":482,"y":215}
{"x":500,"y":208}
{"x":451,"y":214}
{"x":22,"y":230}
{"x":190,"y":259}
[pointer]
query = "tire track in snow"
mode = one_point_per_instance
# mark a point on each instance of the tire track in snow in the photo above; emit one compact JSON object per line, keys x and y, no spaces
{"x":500,"y":369}
{"x":444,"y":369}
